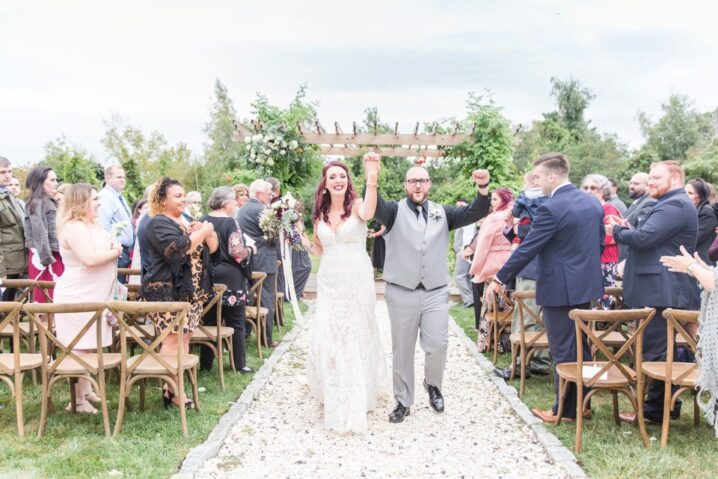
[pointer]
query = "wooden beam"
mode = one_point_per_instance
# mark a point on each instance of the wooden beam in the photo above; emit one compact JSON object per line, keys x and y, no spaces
{"x":354,"y":126}
{"x":384,"y":151}
{"x":416,"y":129}
{"x":382,"y":139}
{"x":396,"y":128}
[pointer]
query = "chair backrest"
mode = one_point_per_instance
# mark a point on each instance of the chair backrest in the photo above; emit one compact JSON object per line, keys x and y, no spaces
{"x":585,"y":320}
{"x":11,"y":317}
{"x":129,"y":271}
{"x":127,"y":314}
{"x":24,"y":288}
{"x":49,"y":341}
{"x":255,"y":291}
{"x":495,"y":311}
{"x":676,"y":320}
{"x":520,"y":298}
{"x":218,"y":290}
{"x":44,"y":287}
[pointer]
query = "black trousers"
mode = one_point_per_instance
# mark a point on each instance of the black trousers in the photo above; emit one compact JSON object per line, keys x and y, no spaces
{"x":561,"y":333}
{"x":234,"y":317}
{"x":655,"y":347}
{"x":477,"y":290}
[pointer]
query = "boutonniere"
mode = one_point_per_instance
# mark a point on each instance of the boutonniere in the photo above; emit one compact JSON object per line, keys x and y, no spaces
{"x":435,"y":214}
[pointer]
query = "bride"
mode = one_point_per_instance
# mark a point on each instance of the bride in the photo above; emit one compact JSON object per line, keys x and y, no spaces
{"x":346,"y":368}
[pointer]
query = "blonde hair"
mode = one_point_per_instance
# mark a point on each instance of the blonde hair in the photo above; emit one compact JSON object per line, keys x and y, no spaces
{"x":62,"y":189}
{"x":76,"y":204}
{"x":240,"y":188}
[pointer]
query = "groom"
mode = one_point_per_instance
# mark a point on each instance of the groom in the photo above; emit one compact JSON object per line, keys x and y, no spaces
{"x":417,"y":275}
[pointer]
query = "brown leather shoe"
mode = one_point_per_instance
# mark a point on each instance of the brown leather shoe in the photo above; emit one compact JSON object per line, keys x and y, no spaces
{"x":549,"y":416}
{"x":632,"y":418}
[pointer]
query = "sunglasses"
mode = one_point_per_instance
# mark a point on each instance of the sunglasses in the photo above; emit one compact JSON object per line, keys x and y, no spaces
{"x":590,"y":188}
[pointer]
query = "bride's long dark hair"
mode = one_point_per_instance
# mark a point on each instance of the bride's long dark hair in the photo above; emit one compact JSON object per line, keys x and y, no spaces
{"x":322,"y":198}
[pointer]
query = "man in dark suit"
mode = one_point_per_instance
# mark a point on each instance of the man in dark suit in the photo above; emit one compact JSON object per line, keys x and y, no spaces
{"x":639,"y":209}
{"x":567,"y":238}
{"x":265,"y":259}
{"x":672,"y":222}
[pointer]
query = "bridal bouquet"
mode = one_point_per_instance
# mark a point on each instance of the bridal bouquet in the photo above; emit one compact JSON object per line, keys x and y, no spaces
{"x":281,"y":221}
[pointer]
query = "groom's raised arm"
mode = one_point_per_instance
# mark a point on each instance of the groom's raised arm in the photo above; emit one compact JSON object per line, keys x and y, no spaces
{"x":458,"y":216}
{"x":385,"y":213}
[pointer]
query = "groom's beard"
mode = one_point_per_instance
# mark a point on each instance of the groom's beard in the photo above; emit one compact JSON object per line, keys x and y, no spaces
{"x":418,"y":197}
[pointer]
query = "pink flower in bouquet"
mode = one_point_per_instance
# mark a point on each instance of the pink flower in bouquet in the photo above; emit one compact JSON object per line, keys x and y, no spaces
{"x":232,"y":300}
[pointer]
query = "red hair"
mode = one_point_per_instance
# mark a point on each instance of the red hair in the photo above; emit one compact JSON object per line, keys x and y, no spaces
{"x":322,"y":199}
{"x":506,"y":198}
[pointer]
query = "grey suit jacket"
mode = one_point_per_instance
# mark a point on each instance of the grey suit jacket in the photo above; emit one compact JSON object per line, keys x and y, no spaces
{"x":636,"y":213}
{"x":248,"y":217}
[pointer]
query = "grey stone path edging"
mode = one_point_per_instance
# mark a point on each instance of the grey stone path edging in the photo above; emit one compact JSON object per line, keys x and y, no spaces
{"x":556,"y":451}
{"x":210,"y":447}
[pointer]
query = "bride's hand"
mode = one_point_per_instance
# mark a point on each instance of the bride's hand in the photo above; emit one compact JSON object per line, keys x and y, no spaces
{"x":372,"y":164}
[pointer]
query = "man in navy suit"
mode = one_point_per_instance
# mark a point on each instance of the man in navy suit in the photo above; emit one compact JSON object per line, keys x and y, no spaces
{"x":672,"y":222}
{"x":567,"y":238}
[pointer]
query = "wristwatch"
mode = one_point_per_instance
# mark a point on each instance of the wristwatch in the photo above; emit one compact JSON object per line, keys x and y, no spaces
{"x":497,"y":281}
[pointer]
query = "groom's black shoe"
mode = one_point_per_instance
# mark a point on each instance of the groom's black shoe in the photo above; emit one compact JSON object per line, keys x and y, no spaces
{"x":436,"y":400}
{"x":399,"y":412}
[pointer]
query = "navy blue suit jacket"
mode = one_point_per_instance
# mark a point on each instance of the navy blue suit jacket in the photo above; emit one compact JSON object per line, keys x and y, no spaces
{"x":567,"y":237}
{"x":646,"y":282}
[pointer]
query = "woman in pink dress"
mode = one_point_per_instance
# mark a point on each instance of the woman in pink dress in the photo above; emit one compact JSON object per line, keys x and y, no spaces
{"x":90,"y":258}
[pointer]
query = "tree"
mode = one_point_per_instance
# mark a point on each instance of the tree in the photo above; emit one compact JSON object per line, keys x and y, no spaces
{"x":680,"y":128}
{"x":221,"y":153}
{"x":72,"y":164}
{"x":571,"y":102}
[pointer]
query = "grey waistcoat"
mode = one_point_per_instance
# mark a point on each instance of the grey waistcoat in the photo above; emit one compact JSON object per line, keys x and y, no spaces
{"x":413,"y":258}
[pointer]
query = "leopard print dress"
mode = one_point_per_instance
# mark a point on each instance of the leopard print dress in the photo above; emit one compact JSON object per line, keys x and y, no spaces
{"x":199,"y":298}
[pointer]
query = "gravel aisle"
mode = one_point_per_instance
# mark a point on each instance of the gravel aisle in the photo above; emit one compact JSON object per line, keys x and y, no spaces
{"x":282,"y":434}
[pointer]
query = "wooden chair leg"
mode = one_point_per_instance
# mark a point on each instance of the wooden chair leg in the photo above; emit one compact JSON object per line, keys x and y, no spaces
{"x":18,"y":404}
{"x":579,"y":418}
{"x":666,"y":413}
{"x":696,"y":412}
{"x":121,"y":406}
{"x":230,"y":351}
{"x":182,"y":410}
{"x":73,"y":396}
{"x":615,"y":408}
{"x":514,"y":355}
{"x":522,"y":385}
{"x":562,"y":387}
{"x":220,"y":362}
{"x":103,"y":402}
{"x":143,"y":386}
{"x":195,"y":388}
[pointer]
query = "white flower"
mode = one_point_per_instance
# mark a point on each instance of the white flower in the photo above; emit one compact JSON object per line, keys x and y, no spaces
{"x":435,"y":214}
{"x":293,"y":144}
{"x":270,"y":161}
{"x":257,"y":137}
{"x":247,"y":139}
{"x":282,"y":152}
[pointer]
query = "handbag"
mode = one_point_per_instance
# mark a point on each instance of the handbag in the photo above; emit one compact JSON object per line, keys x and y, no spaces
{"x":117,"y":293}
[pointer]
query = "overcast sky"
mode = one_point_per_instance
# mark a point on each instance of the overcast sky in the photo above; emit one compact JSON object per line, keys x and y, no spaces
{"x":65,"y":66}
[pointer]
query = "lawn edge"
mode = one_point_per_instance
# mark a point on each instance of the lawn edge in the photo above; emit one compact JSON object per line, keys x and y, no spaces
{"x":208,"y":449}
{"x":557,"y":452}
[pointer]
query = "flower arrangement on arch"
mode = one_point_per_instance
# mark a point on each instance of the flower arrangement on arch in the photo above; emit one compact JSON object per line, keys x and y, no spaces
{"x":281,"y":220}
{"x":272,"y":147}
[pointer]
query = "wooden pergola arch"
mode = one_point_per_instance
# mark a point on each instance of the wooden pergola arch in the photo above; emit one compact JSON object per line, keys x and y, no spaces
{"x":420,"y":145}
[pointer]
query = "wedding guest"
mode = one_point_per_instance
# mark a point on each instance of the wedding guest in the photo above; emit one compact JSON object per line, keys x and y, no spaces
{"x":600,"y":187}
{"x":114,"y":210}
{"x":491,"y":248}
{"x":60,"y":193}
{"x":139,"y":211}
{"x":13,"y":259}
{"x":265,"y":259}
{"x":378,"y":247}
{"x":44,"y":260}
{"x":639,"y":209}
{"x":241,"y":193}
{"x":301,"y":263}
{"x":699,"y":194}
{"x":462,"y":239}
{"x":14,"y":188}
{"x":90,"y":258}
{"x":230,"y":267}
{"x":612,"y":197}
{"x":178,"y":266}
{"x":193,"y":211}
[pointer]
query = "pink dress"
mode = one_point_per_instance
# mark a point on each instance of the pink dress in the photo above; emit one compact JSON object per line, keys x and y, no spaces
{"x":492,"y":248}
{"x":79,"y":284}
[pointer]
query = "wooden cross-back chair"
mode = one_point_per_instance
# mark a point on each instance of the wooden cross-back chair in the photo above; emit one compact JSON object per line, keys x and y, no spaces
{"x":14,"y":365}
{"x":498,"y":320}
{"x":216,"y":336}
{"x":24,"y":289}
{"x":65,"y":363}
{"x":611,"y":374}
{"x":525,"y":343}
{"x":671,"y":372}
{"x":151,"y":363}
{"x":255,"y":314}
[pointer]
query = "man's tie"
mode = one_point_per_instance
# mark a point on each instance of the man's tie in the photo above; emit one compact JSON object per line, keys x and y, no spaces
{"x":422,"y":220}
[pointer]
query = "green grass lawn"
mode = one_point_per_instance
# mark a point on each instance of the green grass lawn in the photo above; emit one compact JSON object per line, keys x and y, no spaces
{"x":610,"y":451}
{"x":150,"y":445}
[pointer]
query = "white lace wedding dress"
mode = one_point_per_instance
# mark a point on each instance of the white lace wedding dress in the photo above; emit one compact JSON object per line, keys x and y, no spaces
{"x":346,"y":368}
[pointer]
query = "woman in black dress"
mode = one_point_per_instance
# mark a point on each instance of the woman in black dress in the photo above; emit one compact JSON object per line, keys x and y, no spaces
{"x":178,"y":266}
{"x":230,"y":267}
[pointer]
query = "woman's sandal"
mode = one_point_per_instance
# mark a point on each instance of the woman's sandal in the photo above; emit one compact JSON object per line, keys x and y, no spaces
{"x":92,"y":397}
{"x":83,"y":407}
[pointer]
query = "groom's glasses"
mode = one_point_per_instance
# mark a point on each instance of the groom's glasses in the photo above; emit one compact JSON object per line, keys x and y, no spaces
{"x":421,"y":182}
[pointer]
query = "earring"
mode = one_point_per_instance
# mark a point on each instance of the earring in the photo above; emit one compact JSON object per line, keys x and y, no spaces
{"x":324,"y":192}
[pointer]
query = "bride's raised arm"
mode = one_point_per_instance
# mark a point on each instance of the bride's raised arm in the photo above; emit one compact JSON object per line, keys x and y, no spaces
{"x":365,"y":209}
